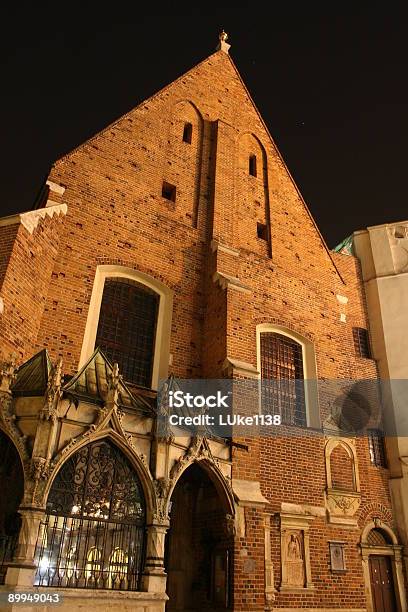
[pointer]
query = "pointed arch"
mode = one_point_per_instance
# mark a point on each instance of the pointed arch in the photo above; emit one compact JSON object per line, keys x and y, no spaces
{"x":95,"y":505}
{"x":12,"y":493}
{"x":21,"y":457}
{"x":131,"y":455}
{"x":350,"y":449}
{"x":217,"y":478}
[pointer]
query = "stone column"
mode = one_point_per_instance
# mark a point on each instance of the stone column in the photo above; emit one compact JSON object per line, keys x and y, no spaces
{"x":154,"y":577}
{"x":21,"y":570}
{"x":399,"y":574}
{"x":367,"y":580}
{"x":269,"y":577}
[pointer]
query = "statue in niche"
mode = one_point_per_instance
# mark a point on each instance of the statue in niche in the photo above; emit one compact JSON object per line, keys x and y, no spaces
{"x":295,"y":567}
{"x":294,"y":552}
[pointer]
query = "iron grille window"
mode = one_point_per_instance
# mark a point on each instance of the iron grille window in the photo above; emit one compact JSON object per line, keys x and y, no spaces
{"x":378,"y":537}
{"x":282,"y":378}
{"x":361,"y":342}
{"x":376,"y":447}
{"x":127,"y":328}
{"x":93,"y":532}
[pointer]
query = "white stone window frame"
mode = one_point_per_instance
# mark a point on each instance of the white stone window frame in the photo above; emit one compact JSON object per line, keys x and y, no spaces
{"x":161,"y":357}
{"x":309,"y":368}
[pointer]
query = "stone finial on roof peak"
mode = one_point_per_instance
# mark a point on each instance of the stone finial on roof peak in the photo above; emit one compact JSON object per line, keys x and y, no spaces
{"x":223,"y":45}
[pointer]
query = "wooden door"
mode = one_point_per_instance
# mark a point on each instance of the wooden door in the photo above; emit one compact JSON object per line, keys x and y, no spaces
{"x":382,"y":584}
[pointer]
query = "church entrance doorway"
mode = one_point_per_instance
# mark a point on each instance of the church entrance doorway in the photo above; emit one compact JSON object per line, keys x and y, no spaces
{"x":198,"y":546}
{"x":382,"y":584}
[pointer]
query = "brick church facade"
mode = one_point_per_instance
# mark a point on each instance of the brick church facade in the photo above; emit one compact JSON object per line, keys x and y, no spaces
{"x":175,"y":245}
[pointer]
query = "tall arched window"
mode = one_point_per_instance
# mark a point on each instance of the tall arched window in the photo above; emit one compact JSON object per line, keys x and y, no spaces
{"x":95,"y":508}
{"x":282,"y":374}
{"x":127,"y":328}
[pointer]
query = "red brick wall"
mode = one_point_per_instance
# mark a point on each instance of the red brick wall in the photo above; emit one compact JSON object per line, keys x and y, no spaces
{"x":116,"y":215}
{"x":7,"y":236}
{"x":25,"y":283}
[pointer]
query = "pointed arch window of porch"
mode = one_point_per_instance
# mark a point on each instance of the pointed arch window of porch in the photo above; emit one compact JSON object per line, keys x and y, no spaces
{"x":93,"y":533}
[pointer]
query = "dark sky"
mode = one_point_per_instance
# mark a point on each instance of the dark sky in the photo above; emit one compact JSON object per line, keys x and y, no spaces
{"x":331,"y":84}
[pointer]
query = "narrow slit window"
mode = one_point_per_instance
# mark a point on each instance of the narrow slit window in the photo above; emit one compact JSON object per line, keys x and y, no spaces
{"x":252,"y":165}
{"x":262,"y":231}
{"x":169,"y":191}
{"x":187,"y":133}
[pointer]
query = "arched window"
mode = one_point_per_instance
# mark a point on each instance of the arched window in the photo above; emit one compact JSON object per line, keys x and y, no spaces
{"x":378,"y":537}
{"x":127,"y":328}
{"x":95,"y":509}
{"x":283,"y":390}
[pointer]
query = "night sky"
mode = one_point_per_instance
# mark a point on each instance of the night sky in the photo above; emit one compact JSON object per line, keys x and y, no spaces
{"x":330,"y":84}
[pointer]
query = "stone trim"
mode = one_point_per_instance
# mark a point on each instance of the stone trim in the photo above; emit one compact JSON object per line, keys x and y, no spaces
{"x":269,"y":573}
{"x":10,"y":220}
{"x":31,"y":219}
{"x":218,"y":246}
{"x":248,"y":493}
{"x":51,"y":203}
{"x":230,"y":282}
{"x":240,"y":368}
{"x":55,"y":187}
{"x":303,"y":509}
{"x":342,"y":299}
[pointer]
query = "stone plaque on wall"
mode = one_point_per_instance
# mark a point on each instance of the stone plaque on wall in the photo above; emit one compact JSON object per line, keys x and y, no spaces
{"x":249,"y":566}
{"x":337,"y":558}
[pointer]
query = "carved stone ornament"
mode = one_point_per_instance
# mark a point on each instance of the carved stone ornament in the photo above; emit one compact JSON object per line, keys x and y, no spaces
{"x":293,"y":558}
{"x":342,"y":506}
{"x":40,"y":468}
{"x":198,"y":450}
{"x":161,"y":488}
{"x":8,"y":421}
{"x":230,"y":528}
{"x":53,"y":394}
{"x":7,"y":372}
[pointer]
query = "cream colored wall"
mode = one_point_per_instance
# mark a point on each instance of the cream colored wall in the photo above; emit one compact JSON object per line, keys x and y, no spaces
{"x":383,"y":253}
